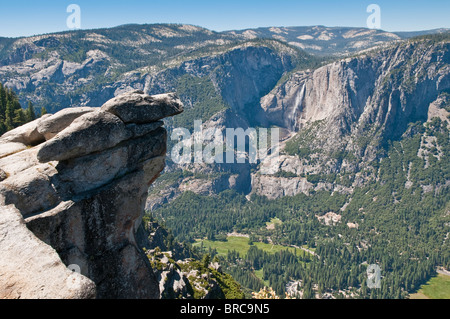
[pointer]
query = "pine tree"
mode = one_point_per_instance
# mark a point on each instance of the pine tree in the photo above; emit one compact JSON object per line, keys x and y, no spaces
{"x":11,"y":113}
{"x":2,"y":102}
{"x":2,"y":127}
{"x":9,"y":116}
{"x":43,"y":111}
{"x":19,"y":118}
{"x":206,"y":260}
{"x":30,"y":113}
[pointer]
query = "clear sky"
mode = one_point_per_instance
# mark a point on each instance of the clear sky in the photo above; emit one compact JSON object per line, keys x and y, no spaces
{"x":27,"y":17}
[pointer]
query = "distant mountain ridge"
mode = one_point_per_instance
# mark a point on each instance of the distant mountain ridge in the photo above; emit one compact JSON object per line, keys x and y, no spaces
{"x":324,"y":40}
{"x":86,"y":67}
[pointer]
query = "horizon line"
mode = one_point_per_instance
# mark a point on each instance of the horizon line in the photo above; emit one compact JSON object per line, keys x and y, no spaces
{"x":212,"y":30}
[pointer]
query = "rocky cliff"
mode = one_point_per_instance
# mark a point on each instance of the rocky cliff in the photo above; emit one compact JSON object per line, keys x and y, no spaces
{"x":336,"y":119}
{"x":394,"y":85}
{"x":345,"y":113}
{"x":72,"y":195}
{"x":182,"y":272}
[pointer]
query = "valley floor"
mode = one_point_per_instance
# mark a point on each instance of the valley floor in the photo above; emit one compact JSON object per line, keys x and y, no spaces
{"x":242,"y":245}
{"x":437,"y":288}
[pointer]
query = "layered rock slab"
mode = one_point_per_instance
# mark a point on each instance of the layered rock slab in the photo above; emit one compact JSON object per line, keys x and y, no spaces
{"x":137,"y":107}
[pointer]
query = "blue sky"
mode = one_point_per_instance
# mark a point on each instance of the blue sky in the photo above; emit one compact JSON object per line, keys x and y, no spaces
{"x":24,"y":18}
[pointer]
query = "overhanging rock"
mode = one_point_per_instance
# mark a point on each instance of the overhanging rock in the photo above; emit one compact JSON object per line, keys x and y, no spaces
{"x":76,"y":200}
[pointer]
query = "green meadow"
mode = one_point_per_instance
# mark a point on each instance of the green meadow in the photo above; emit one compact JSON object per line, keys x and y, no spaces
{"x":437,"y":288}
{"x":242,"y":245}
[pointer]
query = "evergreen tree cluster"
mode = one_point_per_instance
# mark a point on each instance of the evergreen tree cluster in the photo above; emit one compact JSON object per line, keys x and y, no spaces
{"x":402,"y":217}
{"x":12,"y":114}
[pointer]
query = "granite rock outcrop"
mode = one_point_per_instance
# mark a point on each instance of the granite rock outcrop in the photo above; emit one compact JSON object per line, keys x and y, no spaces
{"x":72,"y":197}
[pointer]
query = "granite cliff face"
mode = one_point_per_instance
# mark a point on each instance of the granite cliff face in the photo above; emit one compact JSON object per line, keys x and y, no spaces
{"x":391,"y":85}
{"x":335,"y":119}
{"x":344,"y":113}
{"x":72,"y":198}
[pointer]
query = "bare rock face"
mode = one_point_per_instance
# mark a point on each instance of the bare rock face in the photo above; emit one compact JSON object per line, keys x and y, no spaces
{"x":375,"y":89}
{"x":29,"y":268}
{"x":344,"y":113}
{"x":104,"y":130}
{"x":54,"y":124}
{"x":137,"y":107}
{"x":26,"y":134}
{"x":71,"y":206}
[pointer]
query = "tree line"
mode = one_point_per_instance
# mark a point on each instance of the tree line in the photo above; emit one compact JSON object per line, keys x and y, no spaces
{"x":12,"y":114}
